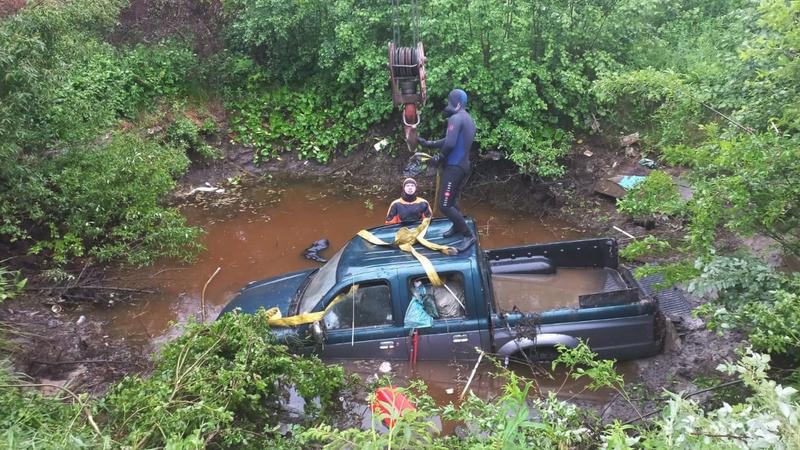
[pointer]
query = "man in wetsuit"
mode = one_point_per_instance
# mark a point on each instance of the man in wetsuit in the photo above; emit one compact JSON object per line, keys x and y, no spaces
{"x":454,"y":157}
{"x":409,"y":207}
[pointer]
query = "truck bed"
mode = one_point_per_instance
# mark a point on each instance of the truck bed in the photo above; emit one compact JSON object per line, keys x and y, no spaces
{"x":543,"y":292}
{"x":572,"y":274}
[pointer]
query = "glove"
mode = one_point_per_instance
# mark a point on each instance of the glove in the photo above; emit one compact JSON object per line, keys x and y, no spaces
{"x":423,"y":142}
{"x":435,"y":161}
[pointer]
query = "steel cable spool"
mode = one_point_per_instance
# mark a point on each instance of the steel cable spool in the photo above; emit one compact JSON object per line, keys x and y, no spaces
{"x":405,"y":62}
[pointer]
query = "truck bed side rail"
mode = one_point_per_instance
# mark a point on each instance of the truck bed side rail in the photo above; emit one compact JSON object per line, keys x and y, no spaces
{"x":600,"y":252}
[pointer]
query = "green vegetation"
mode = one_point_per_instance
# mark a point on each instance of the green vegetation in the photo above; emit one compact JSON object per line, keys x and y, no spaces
{"x":70,"y":184}
{"x":724,"y":108}
{"x":11,"y":283}
{"x":222,"y":386}
{"x":712,"y":86}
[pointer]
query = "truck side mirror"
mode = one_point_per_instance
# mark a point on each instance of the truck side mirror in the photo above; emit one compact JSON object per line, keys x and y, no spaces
{"x":318,"y":333}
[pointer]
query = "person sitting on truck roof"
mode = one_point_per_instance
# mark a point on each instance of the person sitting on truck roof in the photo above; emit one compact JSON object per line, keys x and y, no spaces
{"x":409,"y":207}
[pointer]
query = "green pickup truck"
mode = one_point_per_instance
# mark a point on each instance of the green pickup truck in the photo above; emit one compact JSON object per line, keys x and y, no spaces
{"x":506,"y":301}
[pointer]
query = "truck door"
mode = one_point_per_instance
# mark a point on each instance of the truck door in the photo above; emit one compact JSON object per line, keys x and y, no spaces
{"x":454,"y":333}
{"x":364,"y":325}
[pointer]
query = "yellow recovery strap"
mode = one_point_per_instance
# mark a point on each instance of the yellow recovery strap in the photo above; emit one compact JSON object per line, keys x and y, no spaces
{"x":405,"y":240}
{"x":274,"y":318}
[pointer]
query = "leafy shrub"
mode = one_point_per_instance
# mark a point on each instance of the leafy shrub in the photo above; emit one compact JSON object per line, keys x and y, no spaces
{"x":656,"y":194}
{"x":752,"y":297}
{"x":528,"y":78}
{"x":185,"y":135}
{"x":649,"y":246}
{"x":11,"y":283}
{"x":768,"y":419}
{"x":283,"y":120}
{"x":29,"y":419}
{"x":225,"y":381}
{"x":104,"y":201}
{"x":158,"y":72}
{"x":63,"y":86}
{"x":534,"y":152}
{"x":219,"y":385}
{"x":58,"y":77}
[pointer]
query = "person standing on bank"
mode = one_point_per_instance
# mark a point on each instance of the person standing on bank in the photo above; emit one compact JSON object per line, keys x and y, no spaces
{"x":454,"y":158}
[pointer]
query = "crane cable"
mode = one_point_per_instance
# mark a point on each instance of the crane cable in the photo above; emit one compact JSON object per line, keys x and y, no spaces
{"x":414,"y":22}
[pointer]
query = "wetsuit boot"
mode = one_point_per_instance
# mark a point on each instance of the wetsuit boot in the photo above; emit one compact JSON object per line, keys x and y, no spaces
{"x":469,"y":240}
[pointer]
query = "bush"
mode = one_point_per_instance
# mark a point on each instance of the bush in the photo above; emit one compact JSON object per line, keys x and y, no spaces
{"x":528,"y":78}
{"x":657,"y":194}
{"x":186,"y":136}
{"x":282,"y":120}
{"x":224,"y":382}
{"x":220,"y":385}
{"x":750,"y":296}
{"x":11,"y":283}
{"x":104,"y":201}
{"x":61,"y":188}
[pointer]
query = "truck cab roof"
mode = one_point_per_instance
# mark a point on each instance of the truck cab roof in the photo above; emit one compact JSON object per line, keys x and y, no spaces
{"x":360,"y":256}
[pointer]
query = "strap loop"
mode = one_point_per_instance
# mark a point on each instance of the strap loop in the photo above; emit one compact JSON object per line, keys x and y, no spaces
{"x":405,"y":238}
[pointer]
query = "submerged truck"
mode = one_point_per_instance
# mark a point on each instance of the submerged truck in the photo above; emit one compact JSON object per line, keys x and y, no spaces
{"x":514,"y":302}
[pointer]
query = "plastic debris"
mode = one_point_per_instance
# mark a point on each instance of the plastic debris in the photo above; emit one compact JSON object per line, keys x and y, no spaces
{"x":629,"y":181}
{"x":380,"y":145}
{"x":647,"y":162}
{"x":391,"y":404}
{"x":385,"y":367}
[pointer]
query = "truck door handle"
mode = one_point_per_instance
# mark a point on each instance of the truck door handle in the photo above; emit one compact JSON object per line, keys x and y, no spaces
{"x":460,"y":338}
{"x":386,"y":345}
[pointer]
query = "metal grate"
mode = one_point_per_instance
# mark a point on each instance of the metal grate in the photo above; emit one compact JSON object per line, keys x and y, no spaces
{"x":613,"y":281}
{"x":672,"y":301}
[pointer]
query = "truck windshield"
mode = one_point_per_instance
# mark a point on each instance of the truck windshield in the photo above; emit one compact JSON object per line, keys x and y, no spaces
{"x":320,"y":284}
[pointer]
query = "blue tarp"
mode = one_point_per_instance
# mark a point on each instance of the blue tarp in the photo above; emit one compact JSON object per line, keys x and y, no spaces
{"x":629,"y":181}
{"x":422,"y":309}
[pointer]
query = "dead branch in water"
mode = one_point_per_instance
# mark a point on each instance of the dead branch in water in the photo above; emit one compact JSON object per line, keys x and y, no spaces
{"x":203,"y":295}
{"x":109,"y":288}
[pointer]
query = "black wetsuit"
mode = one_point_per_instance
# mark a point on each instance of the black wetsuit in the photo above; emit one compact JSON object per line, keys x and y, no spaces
{"x":454,"y":152}
{"x":408,"y":208}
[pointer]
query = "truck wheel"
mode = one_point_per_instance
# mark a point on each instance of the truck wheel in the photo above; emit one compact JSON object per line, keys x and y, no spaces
{"x":541,"y":354}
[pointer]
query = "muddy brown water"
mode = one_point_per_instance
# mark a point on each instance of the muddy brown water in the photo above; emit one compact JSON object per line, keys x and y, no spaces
{"x":263,"y":231}
{"x":542,"y":292}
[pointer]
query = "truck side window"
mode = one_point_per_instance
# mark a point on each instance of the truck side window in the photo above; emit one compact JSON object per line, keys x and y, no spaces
{"x":449,"y":299}
{"x":373,"y":307}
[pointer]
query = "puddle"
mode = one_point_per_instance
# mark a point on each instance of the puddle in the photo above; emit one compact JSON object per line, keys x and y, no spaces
{"x":264,"y":232}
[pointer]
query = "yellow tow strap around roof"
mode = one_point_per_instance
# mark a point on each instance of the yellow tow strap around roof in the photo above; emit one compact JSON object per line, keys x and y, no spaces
{"x":274,"y":318}
{"x":405,"y":240}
